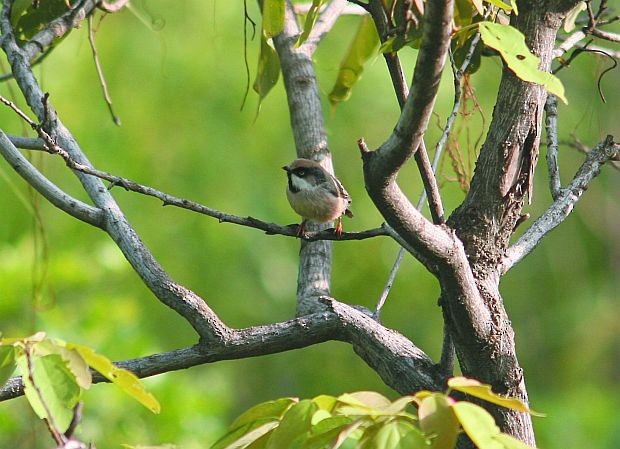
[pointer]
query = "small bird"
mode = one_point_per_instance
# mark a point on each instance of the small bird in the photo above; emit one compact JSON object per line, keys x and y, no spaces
{"x":316,"y":194}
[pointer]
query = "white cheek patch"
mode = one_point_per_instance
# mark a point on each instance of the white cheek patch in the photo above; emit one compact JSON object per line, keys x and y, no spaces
{"x":300,"y":183}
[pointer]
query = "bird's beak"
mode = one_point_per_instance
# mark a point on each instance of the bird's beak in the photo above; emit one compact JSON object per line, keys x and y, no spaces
{"x":286,"y":168}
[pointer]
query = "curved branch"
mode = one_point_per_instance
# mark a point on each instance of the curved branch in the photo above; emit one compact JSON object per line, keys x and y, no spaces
{"x":45,"y":187}
{"x":400,"y":363}
{"x":185,"y":302}
{"x":563,"y":205}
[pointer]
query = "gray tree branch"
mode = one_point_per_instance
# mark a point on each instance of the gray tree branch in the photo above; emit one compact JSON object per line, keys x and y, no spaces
{"x":397,"y":360}
{"x":564,"y":204}
{"x":45,"y":187}
{"x":183,"y":301}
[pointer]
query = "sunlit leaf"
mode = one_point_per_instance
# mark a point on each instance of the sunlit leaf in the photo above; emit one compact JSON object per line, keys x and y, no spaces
{"x":52,"y":392}
{"x":326,"y":432}
{"x":295,"y":425}
{"x":511,"y":442}
{"x":313,"y":14}
{"x":125,"y":380}
{"x":483,"y":391}
{"x":500,"y":4}
{"x":242,"y":436}
{"x":437,"y":421}
{"x":370,"y":399}
{"x":75,"y":362}
{"x":273,"y":17}
{"x":39,"y":336}
{"x":266,"y":410}
{"x":478,"y":424}
{"x":325,"y":402}
{"x":571,"y":17}
{"x":479,"y":6}
{"x":510,"y":43}
{"x":361,"y":49}
{"x":268,"y":70}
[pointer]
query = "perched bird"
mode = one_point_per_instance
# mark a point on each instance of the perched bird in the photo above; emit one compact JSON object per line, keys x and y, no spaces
{"x":316,"y":194}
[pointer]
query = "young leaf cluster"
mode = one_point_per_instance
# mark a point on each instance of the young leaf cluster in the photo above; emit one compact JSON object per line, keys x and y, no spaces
{"x":368,"y":420}
{"x":55,"y":373}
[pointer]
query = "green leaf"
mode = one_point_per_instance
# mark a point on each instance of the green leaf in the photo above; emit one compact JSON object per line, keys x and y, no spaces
{"x":511,"y":442}
{"x":294,"y":427}
{"x":267,"y":410}
{"x":361,"y":49}
{"x":501,"y":5}
{"x":30,"y":20}
{"x":268,"y":70}
{"x":437,"y":421}
{"x":54,"y":393}
{"x":75,"y":362}
{"x":240,"y":437}
{"x":273,"y":17}
{"x":569,"y":20}
{"x":313,"y":14}
{"x":483,"y":391}
{"x":125,"y":380}
{"x":510,"y":43}
{"x":7,"y":363}
{"x":326,"y":431}
{"x":478,"y":424}
{"x":325,"y":402}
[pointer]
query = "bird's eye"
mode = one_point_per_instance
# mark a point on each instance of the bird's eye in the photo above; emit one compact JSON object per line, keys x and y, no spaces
{"x":301,"y":173}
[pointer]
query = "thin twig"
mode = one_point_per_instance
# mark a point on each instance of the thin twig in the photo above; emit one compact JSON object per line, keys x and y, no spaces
{"x":563,"y":206}
{"x":104,"y":86}
{"x":169,"y":200}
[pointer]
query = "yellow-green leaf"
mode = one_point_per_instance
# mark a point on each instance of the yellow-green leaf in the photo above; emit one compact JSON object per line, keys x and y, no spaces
{"x":268,"y":70}
{"x":54,"y":392}
{"x":483,"y":391}
{"x":478,"y":424}
{"x":265,"y":410}
{"x":437,"y":421}
{"x":569,"y":20}
{"x":511,"y":442}
{"x":294,"y":426}
{"x":510,"y":43}
{"x":273,"y":17}
{"x":361,"y":49}
{"x":125,"y":380}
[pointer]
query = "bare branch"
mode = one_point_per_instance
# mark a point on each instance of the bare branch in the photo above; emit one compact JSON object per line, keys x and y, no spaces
{"x":400,"y":363}
{"x":563,"y":206}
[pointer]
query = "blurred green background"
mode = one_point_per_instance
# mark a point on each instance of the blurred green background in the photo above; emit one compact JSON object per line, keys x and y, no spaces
{"x":177,"y":78}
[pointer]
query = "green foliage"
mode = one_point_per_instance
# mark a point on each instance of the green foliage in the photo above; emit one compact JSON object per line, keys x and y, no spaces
{"x":369,"y":420}
{"x":510,"y":43}
{"x":55,"y":373}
